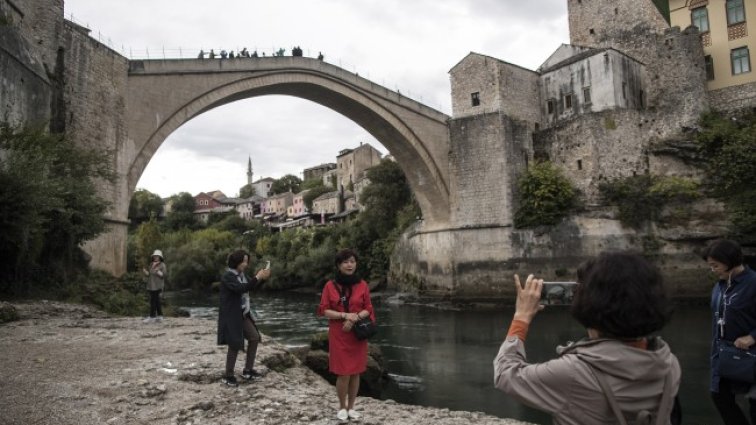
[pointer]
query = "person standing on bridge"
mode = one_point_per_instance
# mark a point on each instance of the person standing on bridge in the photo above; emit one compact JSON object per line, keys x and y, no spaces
{"x":346,"y":300}
{"x":201,"y":54}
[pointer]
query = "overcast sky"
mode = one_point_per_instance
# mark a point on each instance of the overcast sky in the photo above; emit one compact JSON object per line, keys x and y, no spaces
{"x":408,"y":45}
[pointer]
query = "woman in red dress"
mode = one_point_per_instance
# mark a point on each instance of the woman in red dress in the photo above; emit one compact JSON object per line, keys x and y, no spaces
{"x":347,"y":357}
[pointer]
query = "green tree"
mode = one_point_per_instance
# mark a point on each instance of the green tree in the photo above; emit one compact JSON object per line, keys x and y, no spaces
{"x":312,"y":183}
{"x":546,"y":196}
{"x":148,"y":238}
{"x":247,"y":191}
{"x":181,"y":214}
{"x":51,"y":203}
{"x":314,"y":193}
{"x":287,"y":183}
{"x":144,"y":204}
{"x":387,"y":193}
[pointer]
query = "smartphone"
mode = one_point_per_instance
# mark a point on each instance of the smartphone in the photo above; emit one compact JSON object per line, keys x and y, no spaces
{"x":267,"y":265}
{"x":558,"y":293}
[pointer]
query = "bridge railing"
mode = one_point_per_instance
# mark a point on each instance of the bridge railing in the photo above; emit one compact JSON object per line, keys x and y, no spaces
{"x":164,"y":52}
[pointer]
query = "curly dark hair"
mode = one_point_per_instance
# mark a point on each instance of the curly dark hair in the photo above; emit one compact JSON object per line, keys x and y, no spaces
{"x":236,"y":258}
{"x":622,"y":295}
{"x":344,"y":255}
{"x":725,"y":251}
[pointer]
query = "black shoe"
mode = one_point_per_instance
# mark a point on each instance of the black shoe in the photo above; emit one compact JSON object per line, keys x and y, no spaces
{"x":230,"y":381}
{"x":250,"y":374}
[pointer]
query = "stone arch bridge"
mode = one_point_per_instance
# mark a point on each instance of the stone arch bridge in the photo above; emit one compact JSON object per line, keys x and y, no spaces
{"x":162,"y":95}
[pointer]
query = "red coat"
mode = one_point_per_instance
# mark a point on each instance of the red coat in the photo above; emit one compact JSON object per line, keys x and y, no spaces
{"x":347,"y":354}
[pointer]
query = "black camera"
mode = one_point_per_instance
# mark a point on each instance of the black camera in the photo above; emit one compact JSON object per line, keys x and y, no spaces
{"x":558,"y":293}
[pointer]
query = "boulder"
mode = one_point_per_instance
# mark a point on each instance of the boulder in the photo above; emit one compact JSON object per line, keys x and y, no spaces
{"x":8,"y":312}
{"x":372,"y":381}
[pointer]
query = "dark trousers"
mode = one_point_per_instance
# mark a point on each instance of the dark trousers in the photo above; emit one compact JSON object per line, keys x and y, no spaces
{"x":252,"y":335}
{"x":728,"y":409}
{"x":155,"y":309}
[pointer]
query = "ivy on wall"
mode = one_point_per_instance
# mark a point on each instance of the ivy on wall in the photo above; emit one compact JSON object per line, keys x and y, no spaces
{"x":728,"y":146}
{"x":641,"y":199}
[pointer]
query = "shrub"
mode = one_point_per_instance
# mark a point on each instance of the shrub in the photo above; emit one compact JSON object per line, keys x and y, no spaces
{"x":641,"y":199}
{"x":546,"y":196}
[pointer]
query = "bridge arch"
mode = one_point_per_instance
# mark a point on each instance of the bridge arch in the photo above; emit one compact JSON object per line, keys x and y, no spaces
{"x":163,"y":95}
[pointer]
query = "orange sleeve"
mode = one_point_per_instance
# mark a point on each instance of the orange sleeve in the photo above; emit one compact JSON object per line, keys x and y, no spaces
{"x":519,"y":329}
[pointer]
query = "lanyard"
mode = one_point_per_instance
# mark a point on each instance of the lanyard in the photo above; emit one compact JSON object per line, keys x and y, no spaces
{"x":722,"y":304}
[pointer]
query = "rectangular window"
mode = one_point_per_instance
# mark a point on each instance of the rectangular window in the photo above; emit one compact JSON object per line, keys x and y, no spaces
{"x":624,"y":90}
{"x":568,"y":101}
{"x":580,"y":164}
{"x":709,"y":63}
{"x":587,"y":95}
{"x":550,"y":106}
{"x":475,"y":97}
{"x":741,"y":62}
{"x":735,"y":12}
{"x":700,"y":18}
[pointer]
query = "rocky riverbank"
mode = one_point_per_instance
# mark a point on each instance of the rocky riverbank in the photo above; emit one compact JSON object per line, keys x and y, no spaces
{"x":71,"y":364}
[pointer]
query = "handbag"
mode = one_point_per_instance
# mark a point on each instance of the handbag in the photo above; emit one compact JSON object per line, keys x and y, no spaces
{"x":363,"y":328}
{"x":736,"y":364}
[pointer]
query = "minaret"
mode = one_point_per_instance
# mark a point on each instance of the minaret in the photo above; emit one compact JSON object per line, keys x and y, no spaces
{"x":249,"y":171}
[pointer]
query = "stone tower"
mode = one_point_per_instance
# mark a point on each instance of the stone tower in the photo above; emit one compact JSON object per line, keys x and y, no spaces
{"x":674,"y":58}
{"x":249,"y":171}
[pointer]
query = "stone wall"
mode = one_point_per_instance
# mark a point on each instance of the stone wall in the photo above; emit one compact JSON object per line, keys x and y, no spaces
{"x":733,"y":98}
{"x":40,"y":22}
{"x":597,"y":147}
{"x":675,"y":73}
{"x":487,"y":154}
{"x":28,"y":30}
{"x":25,"y":89}
{"x":520,"y":93}
{"x":442,"y":264}
{"x":94,"y":87}
{"x":613,"y":79}
{"x":475,"y":74}
{"x":593,"y":22}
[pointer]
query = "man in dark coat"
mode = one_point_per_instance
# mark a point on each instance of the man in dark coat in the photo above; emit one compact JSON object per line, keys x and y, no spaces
{"x":235,"y":321}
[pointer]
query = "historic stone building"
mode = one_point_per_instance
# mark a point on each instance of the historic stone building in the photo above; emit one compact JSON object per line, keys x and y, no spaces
{"x":601,"y":107}
{"x":351,"y":163}
{"x":727,"y":43}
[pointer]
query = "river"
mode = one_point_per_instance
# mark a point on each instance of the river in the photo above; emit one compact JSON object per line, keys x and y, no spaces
{"x":444,"y":358}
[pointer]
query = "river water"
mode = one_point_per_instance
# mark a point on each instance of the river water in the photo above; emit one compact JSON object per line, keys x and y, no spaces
{"x":444,"y":358}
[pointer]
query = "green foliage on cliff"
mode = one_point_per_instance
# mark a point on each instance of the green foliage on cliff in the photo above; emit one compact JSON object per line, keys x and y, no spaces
{"x":50,"y":207}
{"x":641,"y":199}
{"x":728,"y":145}
{"x":546,"y":196}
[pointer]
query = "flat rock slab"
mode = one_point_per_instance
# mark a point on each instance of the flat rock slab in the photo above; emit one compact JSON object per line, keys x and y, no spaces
{"x":72,"y":364}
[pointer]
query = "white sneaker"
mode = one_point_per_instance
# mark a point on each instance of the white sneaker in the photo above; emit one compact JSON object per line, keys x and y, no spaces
{"x":353,"y":414}
{"x":342,"y":415}
{"x":148,"y":320}
{"x":159,"y":318}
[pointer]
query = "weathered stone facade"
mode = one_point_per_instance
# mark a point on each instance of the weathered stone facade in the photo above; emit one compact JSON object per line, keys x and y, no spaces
{"x":463,"y":170}
{"x":733,"y":98}
{"x":618,"y":134}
